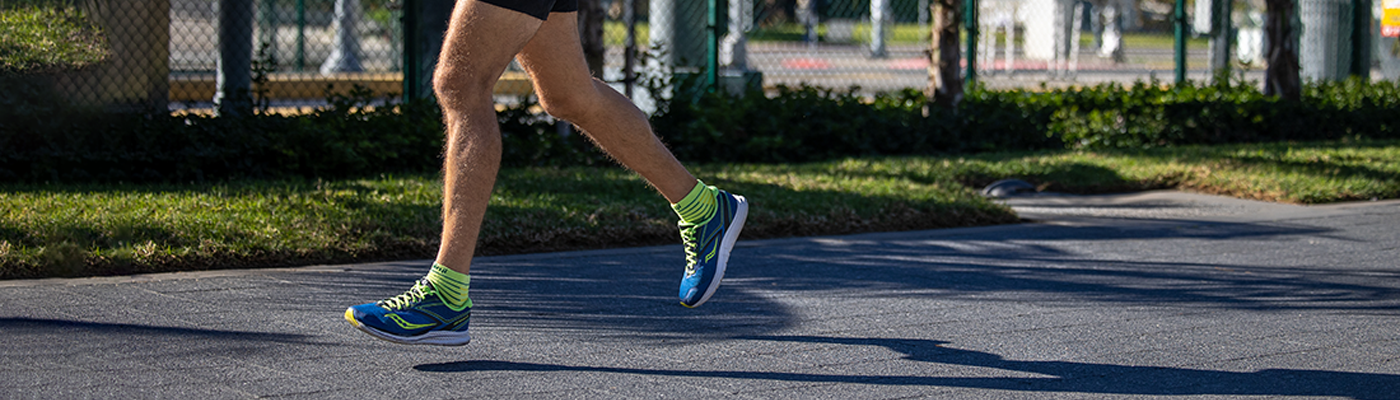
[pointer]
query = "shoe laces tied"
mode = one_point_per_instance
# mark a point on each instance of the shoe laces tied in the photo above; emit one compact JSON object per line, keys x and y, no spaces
{"x":414,"y":295}
{"x":692,"y":247}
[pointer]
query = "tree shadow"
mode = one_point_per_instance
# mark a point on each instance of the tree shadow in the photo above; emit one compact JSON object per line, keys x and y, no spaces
{"x":1068,"y":177}
{"x":1036,"y":261}
{"x":1337,"y":168}
{"x":45,"y":326}
{"x":631,"y":291}
{"x":1060,"y":376}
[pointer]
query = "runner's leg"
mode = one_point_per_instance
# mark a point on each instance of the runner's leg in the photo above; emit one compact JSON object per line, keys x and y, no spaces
{"x":711,"y":219}
{"x":481,"y":41}
{"x":554,"y":59}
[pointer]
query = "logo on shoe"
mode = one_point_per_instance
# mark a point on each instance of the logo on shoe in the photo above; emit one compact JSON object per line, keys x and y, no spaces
{"x":405,"y":324}
{"x":711,"y":238}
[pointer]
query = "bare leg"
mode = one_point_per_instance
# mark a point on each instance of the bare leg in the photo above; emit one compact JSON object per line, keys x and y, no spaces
{"x":554,"y":59}
{"x":481,"y":41}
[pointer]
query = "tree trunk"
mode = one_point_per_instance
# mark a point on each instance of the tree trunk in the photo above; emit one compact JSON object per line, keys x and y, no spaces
{"x":590,"y":26}
{"x":945,"y":87}
{"x":1281,"y":78}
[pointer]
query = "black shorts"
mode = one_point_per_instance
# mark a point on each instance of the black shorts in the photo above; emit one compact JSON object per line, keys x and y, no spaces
{"x":537,"y":8}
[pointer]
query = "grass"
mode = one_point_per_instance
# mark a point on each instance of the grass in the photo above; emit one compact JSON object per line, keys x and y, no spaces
{"x":120,"y":229}
{"x":1306,"y":173}
{"x":41,"y":36}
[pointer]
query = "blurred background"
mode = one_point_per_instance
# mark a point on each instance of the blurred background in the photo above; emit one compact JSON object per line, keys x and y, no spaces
{"x":191,"y":55}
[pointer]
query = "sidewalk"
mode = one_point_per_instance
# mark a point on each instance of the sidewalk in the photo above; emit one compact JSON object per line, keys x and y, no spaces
{"x":1154,"y":295}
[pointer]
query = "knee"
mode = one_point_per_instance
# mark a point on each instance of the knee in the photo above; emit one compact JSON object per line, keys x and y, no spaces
{"x":569,"y":105}
{"x":458,"y":90}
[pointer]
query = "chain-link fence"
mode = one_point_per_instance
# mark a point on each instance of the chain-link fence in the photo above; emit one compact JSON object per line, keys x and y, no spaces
{"x":882,"y":45}
{"x":295,"y":51}
{"x":1061,"y":42}
{"x":195,"y":54}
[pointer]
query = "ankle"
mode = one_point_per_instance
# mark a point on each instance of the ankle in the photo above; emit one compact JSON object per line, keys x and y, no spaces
{"x":698,"y":206}
{"x":451,"y":286}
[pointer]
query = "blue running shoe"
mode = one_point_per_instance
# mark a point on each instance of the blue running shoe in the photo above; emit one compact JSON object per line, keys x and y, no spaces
{"x":707,"y":247}
{"x":417,"y":316}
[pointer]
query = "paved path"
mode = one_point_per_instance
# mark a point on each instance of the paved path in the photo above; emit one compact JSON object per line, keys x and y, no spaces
{"x":1158,"y":295}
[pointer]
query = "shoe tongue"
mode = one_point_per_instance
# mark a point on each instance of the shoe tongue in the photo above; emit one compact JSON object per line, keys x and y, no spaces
{"x":426,"y":286}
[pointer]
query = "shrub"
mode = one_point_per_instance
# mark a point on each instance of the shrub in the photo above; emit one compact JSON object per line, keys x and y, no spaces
{"x":796,"y":125}
{"x":351,"y":138}
{"x":343,"y":140}
{"x":801,"y":124}
{"x":1230,"y":111}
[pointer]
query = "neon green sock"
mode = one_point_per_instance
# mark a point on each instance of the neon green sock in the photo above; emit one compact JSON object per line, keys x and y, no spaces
{"x":451,"y":286}
{"x":699,"y":205}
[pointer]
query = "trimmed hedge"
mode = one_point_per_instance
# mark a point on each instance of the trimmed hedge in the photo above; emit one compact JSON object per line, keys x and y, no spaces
{"x":343,"y":140}
{"x":39,"y":144}
{"x":808,"y":124}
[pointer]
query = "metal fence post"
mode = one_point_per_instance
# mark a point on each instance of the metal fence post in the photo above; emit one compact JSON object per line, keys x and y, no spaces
{"x":235,"y":64}
{"x":733,"y":49}
{"x":712,"y":45}
{"x":1179,"y":21}
{"x":424,"y":23}
{"x":970,"y":22}
{"x":1361,"y":39}
{"x":346,"y":55}
{"x":1222,"y":31}
{"x":879,"y":29}
{"x":301,"y":35}
{"x":410,"y":55}
{"x":629,"y":48}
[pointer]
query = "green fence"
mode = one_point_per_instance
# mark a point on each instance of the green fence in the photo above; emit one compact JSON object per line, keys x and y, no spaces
{"x":231,"y":55}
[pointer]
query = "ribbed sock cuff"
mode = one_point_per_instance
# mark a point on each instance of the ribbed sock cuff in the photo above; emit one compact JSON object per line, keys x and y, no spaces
{"x":451,"y":286}
{"x":698,"y":206}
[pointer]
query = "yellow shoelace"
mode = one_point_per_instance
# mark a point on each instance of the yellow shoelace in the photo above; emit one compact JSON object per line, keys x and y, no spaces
{"x":414,"y":295}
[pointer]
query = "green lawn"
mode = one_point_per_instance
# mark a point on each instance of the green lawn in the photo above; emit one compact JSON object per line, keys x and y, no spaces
{"x":43,"y":35}
{"x":1308,"y":173}
{"x":70,"y":230}
{"x":114,"y":229}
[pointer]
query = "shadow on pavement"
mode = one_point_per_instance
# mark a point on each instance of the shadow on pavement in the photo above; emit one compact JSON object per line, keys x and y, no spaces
{"x":1187,"y":263}
{"x":65,"y":327}
{"x":1063,"y":376}
{"x":631,"y":295}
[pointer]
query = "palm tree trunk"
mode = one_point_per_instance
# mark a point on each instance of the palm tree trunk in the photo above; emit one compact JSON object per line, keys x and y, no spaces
{"x":945,"y":88}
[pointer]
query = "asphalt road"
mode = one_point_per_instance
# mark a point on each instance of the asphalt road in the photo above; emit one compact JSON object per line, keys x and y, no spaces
{"x":1157,"y":295}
